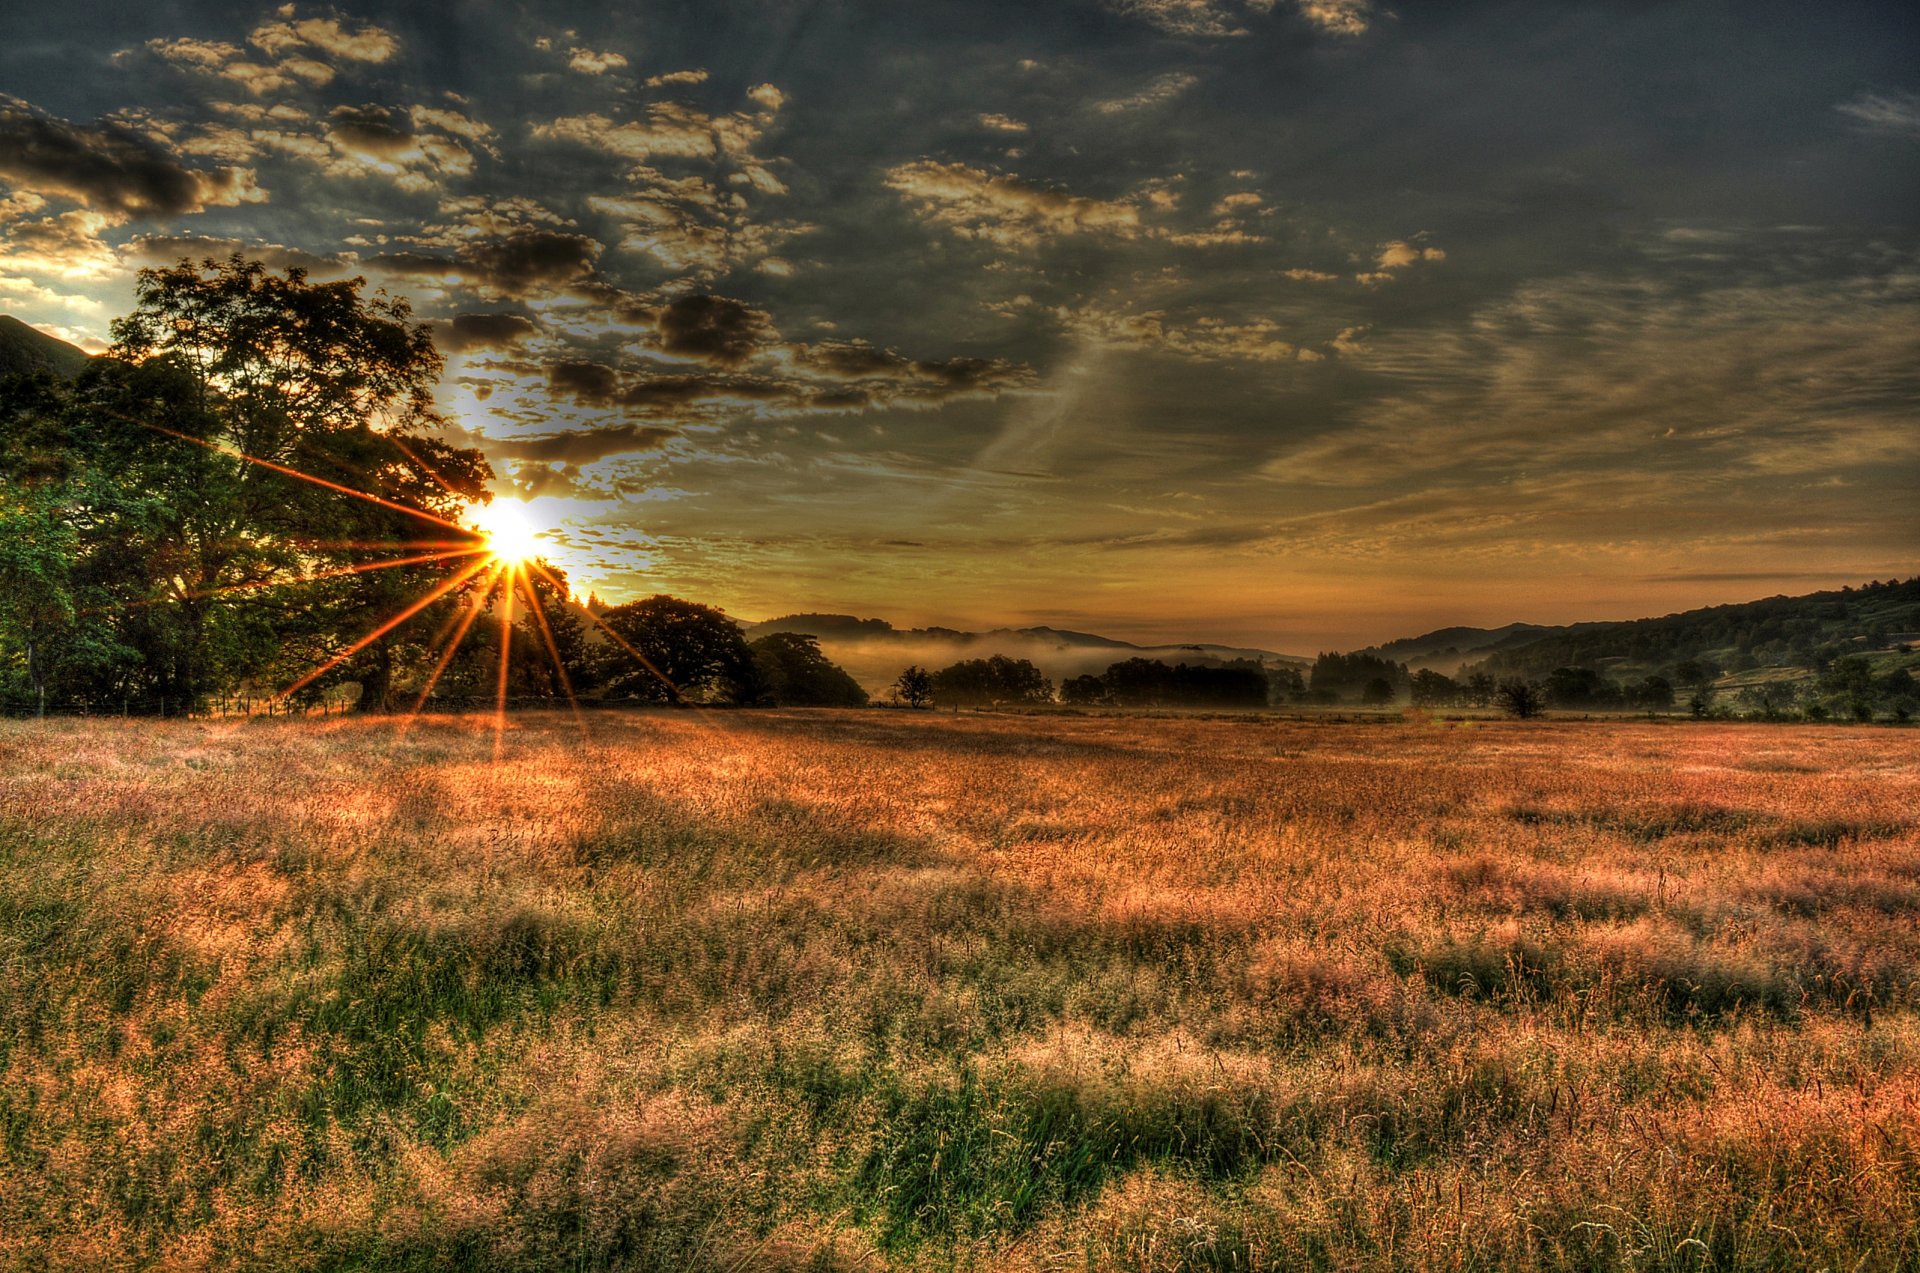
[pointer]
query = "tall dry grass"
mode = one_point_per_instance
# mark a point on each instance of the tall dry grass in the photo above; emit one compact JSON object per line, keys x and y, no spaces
{"x":868,"y":990}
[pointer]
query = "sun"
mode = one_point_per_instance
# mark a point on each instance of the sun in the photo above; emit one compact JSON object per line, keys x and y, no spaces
{"x":511,"y":533}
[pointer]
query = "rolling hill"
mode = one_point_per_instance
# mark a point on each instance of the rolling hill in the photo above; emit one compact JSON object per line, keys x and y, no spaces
{"x":25,"y":349}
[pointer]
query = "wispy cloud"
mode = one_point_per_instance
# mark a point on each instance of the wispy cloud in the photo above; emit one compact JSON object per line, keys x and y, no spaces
{"x":1897,"y":114}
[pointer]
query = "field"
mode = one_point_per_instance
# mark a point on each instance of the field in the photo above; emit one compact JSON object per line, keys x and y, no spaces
{"x":883,"y":989}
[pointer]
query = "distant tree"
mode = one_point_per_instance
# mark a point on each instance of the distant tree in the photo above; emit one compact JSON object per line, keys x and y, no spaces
{"x":1377,"y":692}
{"x":1691,"y":672}
{"x":1347,"y":676}
{"x":1700,"y":702}
{"x":1521,"y":700}
{"x":1478,"y":689}
{"x":1285,"y":684}
{"x":914,"y":687}
{"x":792,"y":672}
{"x":1139,"y":682}
{"x":688,"y":652}
{"x":998,"y":680}
{"x":1579,"y":688}
{"x":1083,"y":691}
{"x":1655,"y":694}
{"x":1433,"y":689}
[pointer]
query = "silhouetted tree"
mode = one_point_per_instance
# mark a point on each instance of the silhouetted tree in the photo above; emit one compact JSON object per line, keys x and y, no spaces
{"x":792,"y":672}
{"x":1432,"y":689}
{"x":998,"y":680}
{"x":914,"y":687}
{"x":1520,"y":699}
{"x":686,"y":652}
{"x":1083,"y":691}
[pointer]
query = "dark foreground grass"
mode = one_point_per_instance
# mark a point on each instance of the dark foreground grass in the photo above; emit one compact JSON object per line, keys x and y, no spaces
{"x":871,"y":990}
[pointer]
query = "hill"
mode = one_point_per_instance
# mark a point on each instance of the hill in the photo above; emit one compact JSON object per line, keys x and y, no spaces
{"x":1447,"y":650}
{"x":1778,"y":632}
{"x":874,"y":651}
{"x":26,"y":349}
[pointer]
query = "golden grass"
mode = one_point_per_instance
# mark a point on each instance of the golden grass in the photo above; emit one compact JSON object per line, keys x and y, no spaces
{"x":864,"y":990}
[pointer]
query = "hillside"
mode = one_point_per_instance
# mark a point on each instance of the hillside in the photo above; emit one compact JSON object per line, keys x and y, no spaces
{"x":1447,"y":650}
{"x":874,"y":651}
{"x":25,"y":349}
{"x":1784,"y":632}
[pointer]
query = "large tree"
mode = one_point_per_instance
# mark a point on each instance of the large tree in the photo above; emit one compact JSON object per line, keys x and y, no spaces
{"x":305,"y":411}
{"x":669,"y":650}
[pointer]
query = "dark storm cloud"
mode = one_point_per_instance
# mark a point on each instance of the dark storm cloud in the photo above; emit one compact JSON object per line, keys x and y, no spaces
{"x":463,"y":332}
{"x":713,"y":329}
{"x":106,"y":167}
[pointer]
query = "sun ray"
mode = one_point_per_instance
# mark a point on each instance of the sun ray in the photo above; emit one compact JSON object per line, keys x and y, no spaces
{"x":466,"y":621}
{"x":305,"y":477}
{"x":553,"y":648}
{"x":438,"y":591}
{"x":506,"y":653}
{"x":619,"y":640}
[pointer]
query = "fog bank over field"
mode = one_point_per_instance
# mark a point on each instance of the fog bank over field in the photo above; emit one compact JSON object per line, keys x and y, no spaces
{"x":873,"y":651}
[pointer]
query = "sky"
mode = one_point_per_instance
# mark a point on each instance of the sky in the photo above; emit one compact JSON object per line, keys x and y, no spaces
{"x":1294,"y":323}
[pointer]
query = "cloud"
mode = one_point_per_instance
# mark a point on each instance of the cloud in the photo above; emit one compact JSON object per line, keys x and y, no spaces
{"x":169,"y":249}
{"x":670,"y":130}
{"x":1158,"y":92}
{"x":1205,"y":18}
{"x":464,"y":332}
{"x":856,"y":361}
{"x":1747,"y":377}
{"x":1338,"y":17}
{"x":713,"y":329}
{"x":1397,"y":255}
{"x":110,"y":169}
{"x":229,"y":62}
{"x":978,"y":205}
{"x":523,"y":263}
{"x":1204,"y":338}
{"x":366,"y":43}
{"x":67,"y":246}
{"x":1002,"y":123}
{"x":696,"y":76}
{"x":693,"y":228}
{"x":574,"y":448}
{"x":1895,"y":114}
{"x":588,"y":62}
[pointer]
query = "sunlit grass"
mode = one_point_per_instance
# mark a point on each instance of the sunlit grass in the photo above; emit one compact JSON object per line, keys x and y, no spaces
{"x":873,"y":989}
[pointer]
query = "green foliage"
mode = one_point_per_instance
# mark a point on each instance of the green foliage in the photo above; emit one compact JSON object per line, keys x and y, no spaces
{"x":191,"y":561}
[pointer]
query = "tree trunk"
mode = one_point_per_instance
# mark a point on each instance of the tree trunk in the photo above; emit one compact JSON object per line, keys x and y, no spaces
{"x":36,"y":676}
{"x":376,"y":684}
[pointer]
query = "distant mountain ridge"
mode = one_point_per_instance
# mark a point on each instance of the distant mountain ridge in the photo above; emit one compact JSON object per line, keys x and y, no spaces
{"x":25,"y":349}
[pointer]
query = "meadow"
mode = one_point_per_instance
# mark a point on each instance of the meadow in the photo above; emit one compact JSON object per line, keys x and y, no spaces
{"x":872,"y":990}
